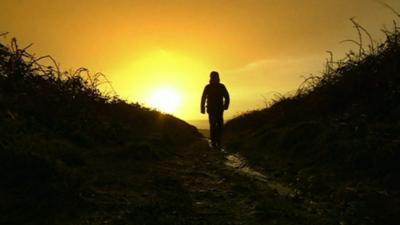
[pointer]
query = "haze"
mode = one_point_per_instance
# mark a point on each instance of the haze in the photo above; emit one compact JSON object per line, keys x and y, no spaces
{"x":258,"y":47}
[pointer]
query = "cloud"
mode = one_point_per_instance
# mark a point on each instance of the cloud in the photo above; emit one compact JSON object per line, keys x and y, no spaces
{"x":277,"y":69}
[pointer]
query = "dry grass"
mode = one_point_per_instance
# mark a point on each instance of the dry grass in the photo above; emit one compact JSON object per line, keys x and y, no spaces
{"x":336,"y":138}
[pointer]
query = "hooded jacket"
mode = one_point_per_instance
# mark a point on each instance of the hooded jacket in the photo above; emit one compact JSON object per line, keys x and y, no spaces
{"x":216,"y":96}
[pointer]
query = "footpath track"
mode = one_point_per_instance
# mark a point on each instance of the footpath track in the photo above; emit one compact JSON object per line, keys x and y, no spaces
{"x":196,"y":185}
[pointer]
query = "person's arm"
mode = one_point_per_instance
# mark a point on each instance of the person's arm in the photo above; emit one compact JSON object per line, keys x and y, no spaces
{"x":203,"y":101}
{"x":227,"y":98}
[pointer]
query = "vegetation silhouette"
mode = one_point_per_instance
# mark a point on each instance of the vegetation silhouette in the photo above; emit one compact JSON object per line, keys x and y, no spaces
{"x":217,"y":98}
{"x":62,"y":140}
{"x":337,"y":138}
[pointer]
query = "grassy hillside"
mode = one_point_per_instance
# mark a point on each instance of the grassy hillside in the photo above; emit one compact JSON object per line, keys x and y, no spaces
{"x":62,"y":141}
{"x":337,"y":139}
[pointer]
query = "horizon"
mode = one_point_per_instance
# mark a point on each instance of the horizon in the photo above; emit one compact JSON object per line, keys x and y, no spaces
{"x":160,"y":54}
{"x":199,"y":124}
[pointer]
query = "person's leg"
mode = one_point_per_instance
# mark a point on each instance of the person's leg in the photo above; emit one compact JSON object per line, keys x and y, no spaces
{"x":219,"y":121}
{"x":213,"y":132}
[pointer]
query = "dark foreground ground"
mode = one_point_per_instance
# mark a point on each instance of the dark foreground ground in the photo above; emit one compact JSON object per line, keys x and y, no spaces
{"x":198,"y":185}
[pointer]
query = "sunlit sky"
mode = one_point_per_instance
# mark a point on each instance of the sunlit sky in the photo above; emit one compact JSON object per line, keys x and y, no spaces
{"x":168,"y":48}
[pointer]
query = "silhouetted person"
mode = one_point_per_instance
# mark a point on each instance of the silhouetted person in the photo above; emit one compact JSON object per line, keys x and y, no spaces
{"x":217,"y":98}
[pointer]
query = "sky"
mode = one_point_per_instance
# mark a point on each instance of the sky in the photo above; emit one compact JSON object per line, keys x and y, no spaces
{"x":162,"y":52}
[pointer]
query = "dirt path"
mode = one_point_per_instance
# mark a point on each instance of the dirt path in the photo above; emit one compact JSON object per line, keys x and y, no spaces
{"x":225,"y":190}
{"x":198,"y":185}
{"x":215,"y":189}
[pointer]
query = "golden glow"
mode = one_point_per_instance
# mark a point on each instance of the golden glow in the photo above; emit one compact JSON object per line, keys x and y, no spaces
{"x":165,"y":99}
{"x":147,"y":77}
{"x":259,"y":47}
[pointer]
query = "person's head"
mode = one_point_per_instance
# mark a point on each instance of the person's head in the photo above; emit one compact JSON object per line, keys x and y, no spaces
{"x":214,"y":77}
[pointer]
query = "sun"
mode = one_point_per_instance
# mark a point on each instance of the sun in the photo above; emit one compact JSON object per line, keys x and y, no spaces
{"x":165,"y":99}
